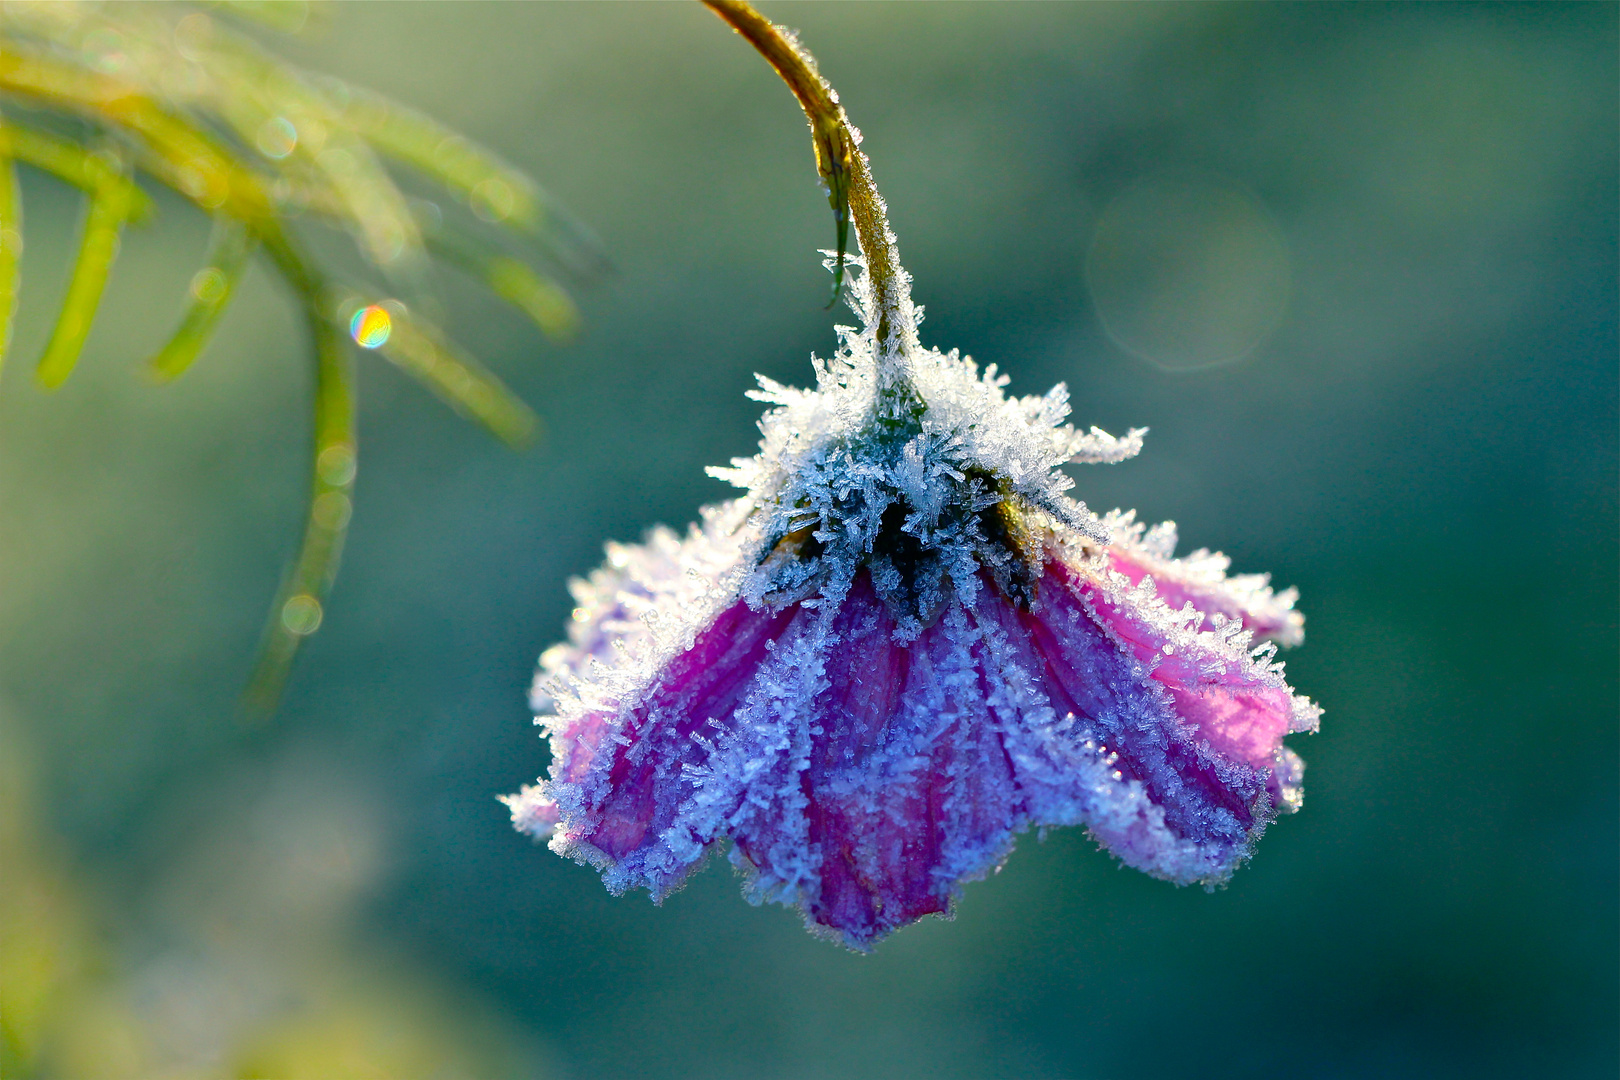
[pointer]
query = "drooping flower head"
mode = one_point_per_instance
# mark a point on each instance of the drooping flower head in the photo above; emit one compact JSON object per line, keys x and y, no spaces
{"x":904,"y":645}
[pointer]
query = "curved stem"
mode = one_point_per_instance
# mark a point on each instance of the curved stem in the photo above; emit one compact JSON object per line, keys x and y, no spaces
{"x":848,"y":176}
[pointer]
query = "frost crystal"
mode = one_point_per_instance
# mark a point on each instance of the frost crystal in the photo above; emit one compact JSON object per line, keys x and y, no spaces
{"x":903,"y":646}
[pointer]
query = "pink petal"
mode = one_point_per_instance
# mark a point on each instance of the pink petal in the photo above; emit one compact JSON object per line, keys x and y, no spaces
{"x":1238,"y":707}
{"x":907,"y":790}
{"x":632,"y":774}
{"x":1245,"y":599}
{"x":865,"y":777}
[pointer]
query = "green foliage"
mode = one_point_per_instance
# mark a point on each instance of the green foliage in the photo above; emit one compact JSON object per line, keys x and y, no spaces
{"x":102,"y":96}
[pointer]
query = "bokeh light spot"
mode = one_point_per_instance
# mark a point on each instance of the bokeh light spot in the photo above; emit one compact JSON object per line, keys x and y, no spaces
{"x":338,"y":163}
{"x":208,"y":285}
{"x":336,"y":465}
{"x":1188,"y":272}
{"x":332,"y":510}
{"x":493,"y":200}
{"x":387,"y":242}
{"x":277,"y":137}
{"x":370,"y":326}
{"x":301,"y":615}
{"x":191,"y":35}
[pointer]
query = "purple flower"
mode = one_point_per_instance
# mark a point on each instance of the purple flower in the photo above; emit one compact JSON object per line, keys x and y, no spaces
{"x":901,"y":648}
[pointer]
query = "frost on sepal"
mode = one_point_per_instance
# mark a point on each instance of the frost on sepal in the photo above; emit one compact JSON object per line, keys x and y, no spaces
{"x":831,"y":440}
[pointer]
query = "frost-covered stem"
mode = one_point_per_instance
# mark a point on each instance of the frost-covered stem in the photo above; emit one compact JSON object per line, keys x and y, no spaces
{"x":848,"y":176}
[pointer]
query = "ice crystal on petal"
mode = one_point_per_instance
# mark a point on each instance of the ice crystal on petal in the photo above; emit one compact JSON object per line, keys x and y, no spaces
{"x":902,"y":646}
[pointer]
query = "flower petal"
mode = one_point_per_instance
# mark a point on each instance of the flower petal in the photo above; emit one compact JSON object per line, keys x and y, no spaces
{"x":620,"y":779}
{"x":1236,"y":702}
{"x":1200,"y":579}
{"x":906,"y":789}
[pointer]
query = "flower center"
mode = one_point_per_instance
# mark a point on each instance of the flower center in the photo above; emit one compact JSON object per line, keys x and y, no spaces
{"x":917,"y":557}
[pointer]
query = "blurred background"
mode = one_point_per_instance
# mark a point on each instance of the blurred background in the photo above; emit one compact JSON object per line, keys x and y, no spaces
{"x":1355,"y":266}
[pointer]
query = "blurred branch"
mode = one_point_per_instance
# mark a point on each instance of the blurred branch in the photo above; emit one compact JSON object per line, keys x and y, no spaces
{"x":169,"y":91}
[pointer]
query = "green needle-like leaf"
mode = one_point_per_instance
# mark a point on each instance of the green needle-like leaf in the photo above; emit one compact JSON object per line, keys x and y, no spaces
{"x":538,"y":297}
{"x":254,"y":142}
{"x":496,"y":191}
{"x":542,"y":299}
{"x":10,"y":247}
{"x":211,"y":290}
{"x":98,"y":247}
{"x":417,"y":347}
{"x":287,"y":16}
{"x":299,"y":608}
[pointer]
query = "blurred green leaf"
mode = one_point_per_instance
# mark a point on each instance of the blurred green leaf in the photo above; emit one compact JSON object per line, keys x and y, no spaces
{"x":298,"y":610}
{"x":73,"y":164}
{"x":211,"y":289}
{"x":255,"y":142}
{"x":417,"y":347}
{"x":541,"y":298}
{"x":10,"y":244}
{"x":107,"y":209}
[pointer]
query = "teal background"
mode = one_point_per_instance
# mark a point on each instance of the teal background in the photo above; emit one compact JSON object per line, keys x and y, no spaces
{"x":1425,"y":446}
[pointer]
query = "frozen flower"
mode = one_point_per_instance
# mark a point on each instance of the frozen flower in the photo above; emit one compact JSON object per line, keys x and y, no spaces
{"x":904,"y":645}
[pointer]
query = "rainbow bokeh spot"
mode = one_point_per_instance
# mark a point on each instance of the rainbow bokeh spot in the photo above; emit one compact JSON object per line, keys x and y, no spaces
{"x":371,"y":326}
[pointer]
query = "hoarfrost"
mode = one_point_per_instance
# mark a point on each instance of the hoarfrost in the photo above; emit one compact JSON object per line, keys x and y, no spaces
{"x":903,"y":645}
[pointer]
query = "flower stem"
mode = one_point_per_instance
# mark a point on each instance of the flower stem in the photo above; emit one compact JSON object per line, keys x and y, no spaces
{"x":854,"y":196}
